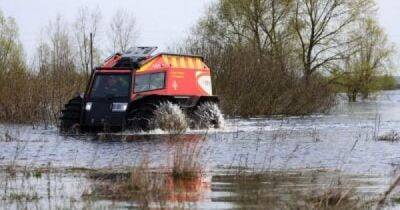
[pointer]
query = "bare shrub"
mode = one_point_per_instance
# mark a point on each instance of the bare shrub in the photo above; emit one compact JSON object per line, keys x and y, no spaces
{"x":249,"y":85}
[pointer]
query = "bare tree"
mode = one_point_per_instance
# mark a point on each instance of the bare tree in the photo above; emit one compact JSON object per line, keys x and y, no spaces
{"x":123,"y":31}
{"x":252,"y":42}
{"x":321,"y":27}
{"x":64,"y":78}
{"x":86,"y":23}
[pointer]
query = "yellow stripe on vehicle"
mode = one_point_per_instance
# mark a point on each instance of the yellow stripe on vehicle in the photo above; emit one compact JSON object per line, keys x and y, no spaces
{"x":146,"y":66}
{"x":191,"y":63}
{"x":199,"y":64}
{"x":174,"y":62}
{"x":182,"y":63}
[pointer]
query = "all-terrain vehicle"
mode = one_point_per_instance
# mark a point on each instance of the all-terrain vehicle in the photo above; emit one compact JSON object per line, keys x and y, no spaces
{"x":127,"y":89}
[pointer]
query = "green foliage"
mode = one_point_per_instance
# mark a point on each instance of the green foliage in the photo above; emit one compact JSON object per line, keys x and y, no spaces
{"x":365,"y":69}
{"x":386,"y":82}
{"x":13,"y":71}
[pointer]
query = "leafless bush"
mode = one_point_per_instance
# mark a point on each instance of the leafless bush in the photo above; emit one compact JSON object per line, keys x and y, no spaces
{"x":249,"y":85}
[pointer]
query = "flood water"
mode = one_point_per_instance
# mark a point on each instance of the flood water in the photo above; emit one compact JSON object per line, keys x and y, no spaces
{"x":343,"y":141}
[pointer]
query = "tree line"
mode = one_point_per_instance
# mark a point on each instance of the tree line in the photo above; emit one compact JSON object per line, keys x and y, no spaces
{"x":291,"y":57}
{"x":268,"y":57}
{"x":35,"y":92}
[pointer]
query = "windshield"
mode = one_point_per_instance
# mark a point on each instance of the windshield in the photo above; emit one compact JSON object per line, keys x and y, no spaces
{"x":111,"y":85}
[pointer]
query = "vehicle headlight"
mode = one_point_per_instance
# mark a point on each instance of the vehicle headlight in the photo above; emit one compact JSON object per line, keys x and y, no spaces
{"x":88,"y":106}
{"x":119,"y":107}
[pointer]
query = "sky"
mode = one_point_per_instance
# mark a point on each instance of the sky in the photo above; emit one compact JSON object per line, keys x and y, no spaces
{"x":161,"y":22}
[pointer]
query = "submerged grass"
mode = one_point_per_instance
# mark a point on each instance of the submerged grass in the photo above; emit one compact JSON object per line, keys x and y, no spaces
{"x":391,"y":136}
{"x":282,"y":190}
{"x":139,"y":184}
{"x":335,"y":197}
{"x":147,"y":186}
{"x":22,"y":197}
{"x":186,"y":161}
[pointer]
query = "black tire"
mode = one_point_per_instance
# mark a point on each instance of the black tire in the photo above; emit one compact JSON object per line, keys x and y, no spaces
{"x":71,"y":115}
{"x":142,"y":118}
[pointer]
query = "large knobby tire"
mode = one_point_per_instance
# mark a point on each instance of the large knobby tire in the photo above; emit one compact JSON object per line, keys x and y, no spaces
{"x":71,"y":115}
{"x":207,"y":115}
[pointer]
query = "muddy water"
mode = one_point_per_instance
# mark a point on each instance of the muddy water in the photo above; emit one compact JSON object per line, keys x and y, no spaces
{"x":343,"y":140}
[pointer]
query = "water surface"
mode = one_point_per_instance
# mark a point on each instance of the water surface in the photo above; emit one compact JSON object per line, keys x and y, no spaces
{"x":343,"y":140}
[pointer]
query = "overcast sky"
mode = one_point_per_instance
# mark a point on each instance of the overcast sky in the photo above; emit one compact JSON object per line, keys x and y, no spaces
{"x":161,"y":22}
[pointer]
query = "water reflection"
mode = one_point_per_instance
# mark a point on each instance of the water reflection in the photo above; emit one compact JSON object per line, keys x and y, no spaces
{"x":242,"y":189}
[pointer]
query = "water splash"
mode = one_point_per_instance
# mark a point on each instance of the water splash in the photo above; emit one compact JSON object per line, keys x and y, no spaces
{"x":209,"y":115}
{"x":170,"y":117}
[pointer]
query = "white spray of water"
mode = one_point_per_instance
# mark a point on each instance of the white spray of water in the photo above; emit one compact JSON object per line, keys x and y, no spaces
{"x":171,"y":118}
{"x":210,"y":115}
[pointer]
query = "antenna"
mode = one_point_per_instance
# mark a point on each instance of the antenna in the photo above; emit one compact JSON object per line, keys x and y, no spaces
{"x":91,"y":52}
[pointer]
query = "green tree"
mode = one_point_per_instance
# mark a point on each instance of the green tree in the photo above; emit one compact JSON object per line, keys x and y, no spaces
{"x":11,"y":53}
{"x":13,"y":74}
{"x":369,"y":61}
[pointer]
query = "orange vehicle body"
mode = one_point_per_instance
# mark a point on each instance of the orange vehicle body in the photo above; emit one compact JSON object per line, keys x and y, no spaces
{"x":186,"y":75}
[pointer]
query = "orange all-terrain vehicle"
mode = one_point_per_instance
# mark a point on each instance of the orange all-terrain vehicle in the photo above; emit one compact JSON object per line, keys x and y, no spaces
{"x":126,"y":90}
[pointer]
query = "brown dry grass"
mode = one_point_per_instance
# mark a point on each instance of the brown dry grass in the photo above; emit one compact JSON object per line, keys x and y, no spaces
{"x":140,"y":185}
{"x":186,"y":161}
{"x":335,"y":198}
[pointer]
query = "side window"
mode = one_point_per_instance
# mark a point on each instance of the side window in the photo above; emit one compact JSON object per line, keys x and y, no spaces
{"x":142,"y":83}
{"x":157,"y":81}
{"x":149,"y":82}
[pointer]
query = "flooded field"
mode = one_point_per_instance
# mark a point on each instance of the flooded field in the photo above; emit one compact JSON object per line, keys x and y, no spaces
{"x":318,"y":161}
